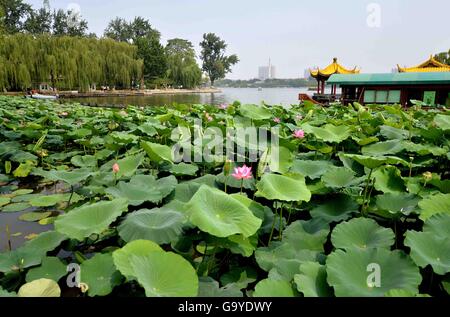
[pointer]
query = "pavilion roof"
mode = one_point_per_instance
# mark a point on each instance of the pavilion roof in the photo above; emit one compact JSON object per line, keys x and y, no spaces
{"x":431,"y":65}
{"x":334,"y":68}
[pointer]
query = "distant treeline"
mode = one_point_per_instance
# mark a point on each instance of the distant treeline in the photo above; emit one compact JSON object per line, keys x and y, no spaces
{"x":66,"y":62}
{"x":268,"y":83}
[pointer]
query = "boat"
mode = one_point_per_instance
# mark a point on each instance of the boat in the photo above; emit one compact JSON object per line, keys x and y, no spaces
{"x":46,"y":97}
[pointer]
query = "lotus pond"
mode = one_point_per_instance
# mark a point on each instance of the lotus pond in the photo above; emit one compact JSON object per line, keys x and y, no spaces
{"x":356,"y":203}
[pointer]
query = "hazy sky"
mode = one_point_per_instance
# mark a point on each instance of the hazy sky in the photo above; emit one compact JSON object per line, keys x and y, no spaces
{"x":295,"y":34}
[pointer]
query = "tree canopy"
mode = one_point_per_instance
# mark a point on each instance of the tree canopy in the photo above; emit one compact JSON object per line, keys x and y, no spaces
{"x":444,"y":57}
{"x":183,"y":69}
{"x":215,"y":63}
{"x":66,"y":62}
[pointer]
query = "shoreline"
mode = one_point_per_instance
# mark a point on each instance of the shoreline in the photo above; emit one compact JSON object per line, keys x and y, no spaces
{"x":124,"y":93}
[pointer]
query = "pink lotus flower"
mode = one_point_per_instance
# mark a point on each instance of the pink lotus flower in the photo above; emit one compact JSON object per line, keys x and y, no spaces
{"x":116,"y":168}
{"x":243,"y":172}
{"x":299,"y":134}
{"x":224,"y":106}
{"x":277,"y":120}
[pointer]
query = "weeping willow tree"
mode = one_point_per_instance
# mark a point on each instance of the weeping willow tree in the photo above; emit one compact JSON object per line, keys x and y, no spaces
{"x":66,"y":62}
{"x":182,"y":66}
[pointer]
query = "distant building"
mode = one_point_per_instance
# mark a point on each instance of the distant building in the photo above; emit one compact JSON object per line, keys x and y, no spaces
{"x":307,"y":74}
{"x":267,"y":72}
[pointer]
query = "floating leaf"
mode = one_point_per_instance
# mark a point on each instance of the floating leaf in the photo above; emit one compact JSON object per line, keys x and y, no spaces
{"x":349,"y":272}
{"x":4,"y":201}
{"x":81,"y":222}
{"x":16,"y":207}
{"x":100,"y":274}
{"x":273,"y":288}
{"x":51,"y":268}
{"x":281,"y":187}
{"x":311,"y":169}
{"x":21,"y":192}
{"x":40,"y":288}
{"x":34,"y":216}
{"x":361,"y":233}
{"x":217,"y":213}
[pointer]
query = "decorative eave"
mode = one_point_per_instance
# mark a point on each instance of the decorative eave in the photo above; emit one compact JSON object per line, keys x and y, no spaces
{"x":431,"y":65}
{"x":334,"y":68}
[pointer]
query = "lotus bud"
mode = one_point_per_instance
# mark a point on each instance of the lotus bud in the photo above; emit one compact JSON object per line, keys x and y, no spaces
{"x":227,"y":167}
{"x":116,"y":168}
{"x":427,"y":176}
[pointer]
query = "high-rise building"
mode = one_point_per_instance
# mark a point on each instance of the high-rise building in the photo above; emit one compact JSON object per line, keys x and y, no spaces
{"x":267,"y":72}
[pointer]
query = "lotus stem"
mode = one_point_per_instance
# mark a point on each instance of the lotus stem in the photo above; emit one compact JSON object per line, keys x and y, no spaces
{"x":280,"y":230}
{"x":242,"y":186}
{"x":71,"y":195}
{"x":366,"y":190}
{"x":8,"y":236}
{"x":273,"y":226}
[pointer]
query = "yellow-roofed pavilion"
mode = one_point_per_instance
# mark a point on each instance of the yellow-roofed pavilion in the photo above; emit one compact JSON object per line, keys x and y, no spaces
{"x":322,"y":75}
{"x":431,"y":65}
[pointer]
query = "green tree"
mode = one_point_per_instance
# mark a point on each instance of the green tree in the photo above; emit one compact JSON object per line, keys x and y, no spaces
{"x":444,"y":57}
{"x":39,"y":21}
{"x":183,"y":69}
{"x":215,"y":63}
{"x":69,"y":23}
{"x":16,"y":13}
{"x":120,"y":30}
{"x":2,"y":22}
{"x":152,"y":52}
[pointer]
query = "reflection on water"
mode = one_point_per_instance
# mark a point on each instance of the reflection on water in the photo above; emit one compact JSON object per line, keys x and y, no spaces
{"x":270,"y":96}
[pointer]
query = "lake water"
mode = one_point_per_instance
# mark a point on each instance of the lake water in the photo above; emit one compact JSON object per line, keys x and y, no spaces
{"x":270,"y":96}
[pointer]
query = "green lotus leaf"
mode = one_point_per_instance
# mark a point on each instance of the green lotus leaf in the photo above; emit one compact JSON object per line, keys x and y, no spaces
{"x":423,"y":150}
{"x":16,"y":207}
{"x":433,"y":205}
{"x":128,"y":165}
{"x":122,"y":256}
{"x":255,"y":112}
{"x":373,"y":162}
{"x":142,"y":188}
{"x":209,"y":287}
{"x":40,"y":288}
{"x":388,"y":179}
{"x":446,"y":284}
{"x":273,"y":288}
{"x":21,"y":192}
{"x":303,"y":237}
{"x":35,"y":216}
{"x":312,"y":280}
{"x":148,"y":129}
{"x":123,"y":137}
{"x":24,"y":169}
{"x":432,"y":246}
{"x":339,"y":177}
{"x":164,"y":274}
{"x":362,"y":233}
{"x":4,"y":201}
{"x":84,"y":161}
{"x":355,"y":272}
{"x":330,"y":133}
{"x":311,"y":169}
{"x":81,"y":222}
{"x":4,"y":294}
{"x":284,"y":188}
{"x":51,"y":268}
{"x":392,"y":133}
{"x":262,"y":212}
{"x":280,"y":159}
{"x":80,"y":133}
{"x":238,"y":244}
{"x":184,"y":169}
{"x":217,"y":213}
{"x":336,"y":209}
{"x":398,"y":203}
{"x":442,"y":121}
{"x":100,"y":274}
{"x":19,"y":259}
{"x":72,"y":178}
{"x":185,"y":191}
{"x":383,"y":148}
{"x":403,"y":293}
{"x":162,"y":225}
{"x":158,"y":152}
{"x":46,"y":201}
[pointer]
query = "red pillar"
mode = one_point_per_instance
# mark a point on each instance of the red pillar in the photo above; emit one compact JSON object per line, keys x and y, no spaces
{"x":318,"y":86}
{"x":323,"y":87}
